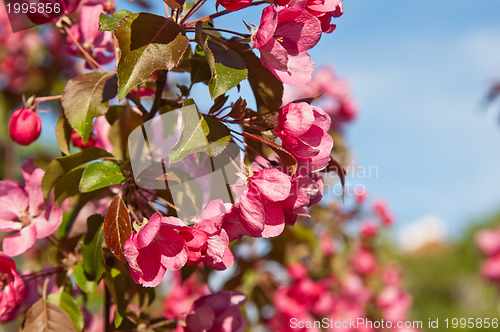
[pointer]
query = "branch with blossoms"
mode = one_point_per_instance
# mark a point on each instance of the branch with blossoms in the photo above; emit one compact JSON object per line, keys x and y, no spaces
{"x":150,"y":185}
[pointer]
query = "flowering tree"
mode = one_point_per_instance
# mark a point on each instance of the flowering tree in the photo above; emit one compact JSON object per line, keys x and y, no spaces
{"x":104,"y":220}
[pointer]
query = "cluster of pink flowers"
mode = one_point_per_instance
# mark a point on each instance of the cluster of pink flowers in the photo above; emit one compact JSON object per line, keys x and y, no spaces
{"x":303,"y":130}
{"x":24,"y":211}
{"x":488,"y":240}
{"x":168,"y":243}
{"x":344,"y":299}
{"x":288,"y":31}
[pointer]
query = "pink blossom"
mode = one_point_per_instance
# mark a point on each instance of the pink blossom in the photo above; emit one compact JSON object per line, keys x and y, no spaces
{"x":86,"y":32}
{"x":24,"y":210}
{"x":490,"y":269}
{"x":368,"y":230}
{"x":489,"y":241}
{"x":154,"y":249}
{"x":381,"y":208}
{"x":305,"y":191}
{"x":11,"y":288}
{"x":324,"y":10}
{"x":25,"y":126}
{"x":303,"y":129}
{"x":182,"y":295}
{"x":394,"y":303}
{"x":234,"y":5}
{"x":261,"y":213}
{"x":364,"y":262}
{"x":218,"y":312}
{"x":283,"y":39}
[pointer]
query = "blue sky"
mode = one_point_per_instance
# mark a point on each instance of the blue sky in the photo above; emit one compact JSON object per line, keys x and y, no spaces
{"x":419,"y":71}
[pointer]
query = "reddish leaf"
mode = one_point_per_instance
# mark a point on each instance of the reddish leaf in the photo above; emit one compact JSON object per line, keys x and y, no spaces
{"x":239,"y":109}
{"x":335,"y":166}
{"x":286,"y":157}
{"x":117,"y":227}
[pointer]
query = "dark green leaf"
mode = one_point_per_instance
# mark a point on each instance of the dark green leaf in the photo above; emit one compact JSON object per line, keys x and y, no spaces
{"x":147,"y":42}
{"x":67,"y":185}
{"x":66,"y":301}
{"x":83,"y":280}
{"x":227,"y":67}
{"x":108,"y":23}
{"x":62,"y":165}
{"x":85,"y":97}
{"x":99,"y":175}
{"x":63,"y":134}
{"x":47,"y":317}
{"x":92,"y":244}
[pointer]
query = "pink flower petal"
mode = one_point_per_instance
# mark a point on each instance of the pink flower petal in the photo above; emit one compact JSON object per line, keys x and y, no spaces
{"x":252,"y":211}
{"x":172,"y":247}
{"x":48,"y":222}
{"x":275,"y":220}
{"x":272,"y":184}
{"x":20,"y":242}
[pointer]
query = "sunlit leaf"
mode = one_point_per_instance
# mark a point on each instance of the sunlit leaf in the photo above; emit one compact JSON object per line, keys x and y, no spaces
{"x":147,"y":42}
{"x":99,"y":175}
{"x":108,"y":23}
{"x":86,"y":97}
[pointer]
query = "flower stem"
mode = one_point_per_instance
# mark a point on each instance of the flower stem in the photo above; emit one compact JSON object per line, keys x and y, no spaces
{"x":87,"y":56}
{"x":212,"y":16}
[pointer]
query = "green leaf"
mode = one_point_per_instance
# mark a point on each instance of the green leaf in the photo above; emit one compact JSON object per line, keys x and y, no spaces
{"x":63,"y":134}
{"x":267,"y":89}
{"x":67,"y":185}
{"x":99,"y":175}
{"x":198,"y":135}
{"x":66,"y":301}
{"x":108,"y":23}
{"x":47,"y":317}
{"x":91,"y":246}
{"x":84,"y":281}
{"x":227,"y":67}
{"x":62,"y":165}
{"x":147,"y":42}
{"x":85,"y":97}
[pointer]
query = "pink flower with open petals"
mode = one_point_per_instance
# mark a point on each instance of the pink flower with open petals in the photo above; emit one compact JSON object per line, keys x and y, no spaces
{"x":283,"y":39}
{"x":24,"y":211}
{"x":261,"y":213}
{"x":11,"y":288}
{"x":303,"y":129}
{"x":218,"y":312}
{"x":98,"y":44}
{"x":154,"y":249}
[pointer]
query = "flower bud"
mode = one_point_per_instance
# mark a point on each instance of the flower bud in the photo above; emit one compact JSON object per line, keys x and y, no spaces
{"x":24,"y":126}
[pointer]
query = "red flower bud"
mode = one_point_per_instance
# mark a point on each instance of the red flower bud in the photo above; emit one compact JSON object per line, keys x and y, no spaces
{"x":24,"y":126}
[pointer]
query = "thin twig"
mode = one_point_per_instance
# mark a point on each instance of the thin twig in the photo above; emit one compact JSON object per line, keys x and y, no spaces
{"x":87,"y":56}
{"x":212,"y":16}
